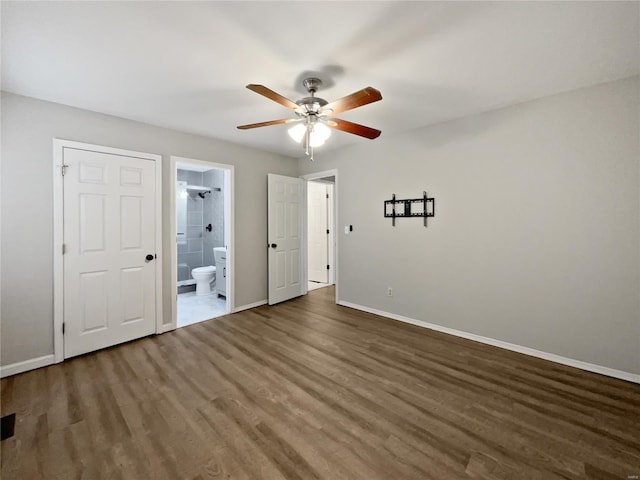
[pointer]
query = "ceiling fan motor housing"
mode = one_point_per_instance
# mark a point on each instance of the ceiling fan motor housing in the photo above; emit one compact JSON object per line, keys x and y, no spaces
{"x":312,"y":104}
{"x":312,"y":84}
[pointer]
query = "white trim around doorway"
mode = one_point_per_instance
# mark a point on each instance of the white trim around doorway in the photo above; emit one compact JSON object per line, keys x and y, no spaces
{"x":228,"y":234}
{"x":58,"y":232}
{"x":318,"y":176}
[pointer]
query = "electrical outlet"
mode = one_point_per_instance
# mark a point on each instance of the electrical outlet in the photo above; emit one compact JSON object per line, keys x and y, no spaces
{"x":390,"y":292}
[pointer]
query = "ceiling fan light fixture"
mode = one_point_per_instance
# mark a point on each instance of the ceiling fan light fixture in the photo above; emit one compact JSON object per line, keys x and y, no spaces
{"x":297,"y":132}
{"x":318,"y":133}
{"x":315,"y":141}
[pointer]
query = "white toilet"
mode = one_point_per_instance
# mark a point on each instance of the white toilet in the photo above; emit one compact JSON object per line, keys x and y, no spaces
{"x":204,"y":277}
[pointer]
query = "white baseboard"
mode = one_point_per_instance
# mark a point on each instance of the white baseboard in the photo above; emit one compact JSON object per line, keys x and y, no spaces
{"x":14,"y":368}
{"x":610,"y":372}
{"x":250,"y":305}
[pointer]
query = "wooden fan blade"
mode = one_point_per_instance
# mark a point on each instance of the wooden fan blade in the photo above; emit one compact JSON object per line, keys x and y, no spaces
{"x":266,"y":124}
{"x":354,"y":128}
{"x":355,"y":100}
{"x":271,"y":95}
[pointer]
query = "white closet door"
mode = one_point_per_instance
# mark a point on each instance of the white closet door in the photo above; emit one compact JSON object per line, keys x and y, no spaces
{"x":109,"y":262}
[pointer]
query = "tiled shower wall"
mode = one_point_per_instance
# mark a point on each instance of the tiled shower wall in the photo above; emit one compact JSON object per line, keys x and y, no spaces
{"x":198,"y":250}
{"x":190,"y":253}
{"x":213,"y":214}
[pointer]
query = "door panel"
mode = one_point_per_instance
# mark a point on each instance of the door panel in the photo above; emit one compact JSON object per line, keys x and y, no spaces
{"x":132,"y":294}
{"x":109,"y":228}
{"x":93,"y":295}
{"x":131,"y":222}
{"x":92,"y":234}
{"x":294,"y":265}
{"x":285,"y":237}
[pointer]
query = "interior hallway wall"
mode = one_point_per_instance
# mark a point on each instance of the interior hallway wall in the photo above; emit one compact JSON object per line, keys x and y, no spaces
{"x":535,"y":239}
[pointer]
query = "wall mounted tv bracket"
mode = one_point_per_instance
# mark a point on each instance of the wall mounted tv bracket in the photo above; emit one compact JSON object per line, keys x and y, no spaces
{"x":415,"y":207}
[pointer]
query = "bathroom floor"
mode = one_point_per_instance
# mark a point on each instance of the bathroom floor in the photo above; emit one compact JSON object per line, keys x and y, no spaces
{"x":194,"y":309}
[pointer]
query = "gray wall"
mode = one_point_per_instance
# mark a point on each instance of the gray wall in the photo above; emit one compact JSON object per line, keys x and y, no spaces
{"x":536,"y":235}
{"x":28,"y":127}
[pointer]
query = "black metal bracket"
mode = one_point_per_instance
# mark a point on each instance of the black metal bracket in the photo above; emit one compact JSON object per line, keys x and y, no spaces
{"x":428,"y":208}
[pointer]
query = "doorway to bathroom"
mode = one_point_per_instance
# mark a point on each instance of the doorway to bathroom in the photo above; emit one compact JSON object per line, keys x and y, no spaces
{"x":202,"y":229}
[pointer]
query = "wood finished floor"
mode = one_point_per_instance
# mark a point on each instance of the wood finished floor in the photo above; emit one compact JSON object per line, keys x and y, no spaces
{"x":310,"y":390}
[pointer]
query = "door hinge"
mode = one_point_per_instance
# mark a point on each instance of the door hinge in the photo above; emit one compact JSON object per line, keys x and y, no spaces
{"x":64,"y":248}
{"x":327,"y":231}
{"x":63,"y":324}
{"x":327,"y":267}
{"x":63,"y":169}
{"x":327,"y":195}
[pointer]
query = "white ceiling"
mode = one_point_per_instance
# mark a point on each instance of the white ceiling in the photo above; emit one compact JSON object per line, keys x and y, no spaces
{"x":184,"y":65}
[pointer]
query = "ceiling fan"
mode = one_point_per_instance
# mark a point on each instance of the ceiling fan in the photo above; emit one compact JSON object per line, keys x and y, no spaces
{"x":314,"y":114}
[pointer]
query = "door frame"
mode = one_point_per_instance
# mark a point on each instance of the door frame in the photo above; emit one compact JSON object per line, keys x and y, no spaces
{"x":336,"y":237}
{"x":228,"y":233}
{"x":58,"y":231}
{"x":330,"y":234}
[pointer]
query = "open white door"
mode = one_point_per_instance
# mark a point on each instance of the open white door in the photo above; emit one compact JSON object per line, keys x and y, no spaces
{"x":109,"y":257}
{"x":318,"y":232}
{"x":285,"y":237}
